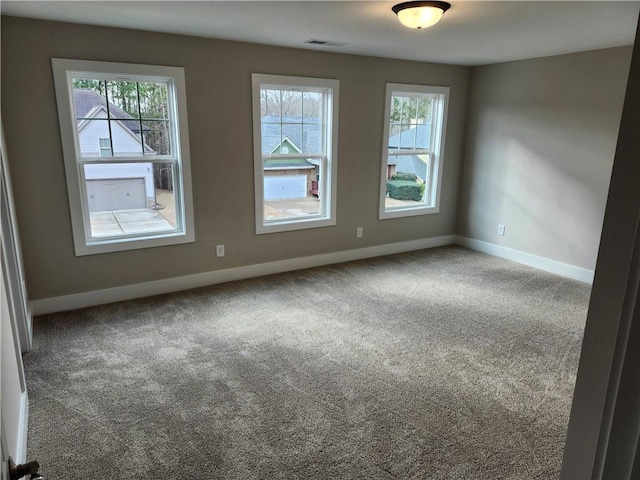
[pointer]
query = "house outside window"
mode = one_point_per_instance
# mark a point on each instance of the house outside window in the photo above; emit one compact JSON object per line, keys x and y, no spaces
{"x":126,"y":152}
{"x":413,"y":149}
{"x":295,"y":152}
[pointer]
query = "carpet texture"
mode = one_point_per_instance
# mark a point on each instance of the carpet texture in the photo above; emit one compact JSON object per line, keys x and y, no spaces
{"x":442,"y":363}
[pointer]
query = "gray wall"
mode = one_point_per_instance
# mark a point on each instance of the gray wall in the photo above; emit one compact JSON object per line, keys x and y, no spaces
{"x":218,"y":76}
{"x":540,"y":142}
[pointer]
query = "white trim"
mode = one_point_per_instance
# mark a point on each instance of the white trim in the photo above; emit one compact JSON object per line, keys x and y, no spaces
{"x":174,"y":77}
{"x":542,"y":263}
{"x":278,"y":169}
{"x":169,"y":285}
{"x":16,"y":287}
{"x":128,"y":292}
{"x":23,"y":425}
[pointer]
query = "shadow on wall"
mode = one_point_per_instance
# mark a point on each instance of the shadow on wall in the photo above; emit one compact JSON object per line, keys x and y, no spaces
{"x":546,"y":177}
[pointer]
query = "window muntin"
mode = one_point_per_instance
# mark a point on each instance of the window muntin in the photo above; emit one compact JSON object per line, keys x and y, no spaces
{"x":295,"y":139}
{"x":413,"y":146}
{"x":133,"y":116}
{"x":125,"y":144}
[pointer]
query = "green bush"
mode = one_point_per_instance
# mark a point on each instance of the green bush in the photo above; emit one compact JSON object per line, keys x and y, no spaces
{"x":409,"y":177}
{"x":404,"y":190}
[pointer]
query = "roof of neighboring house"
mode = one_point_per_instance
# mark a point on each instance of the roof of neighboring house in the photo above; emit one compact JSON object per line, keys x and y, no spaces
{"x":305,"y":133}
{"x":418,"y":136}
{"x":414,"y":137}
{"x":86,"y":100}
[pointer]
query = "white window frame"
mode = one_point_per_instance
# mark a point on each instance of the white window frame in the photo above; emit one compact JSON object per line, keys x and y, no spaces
{"x":436,"y":153}
{"x":64,"y":70}
{"x":328,"y":160}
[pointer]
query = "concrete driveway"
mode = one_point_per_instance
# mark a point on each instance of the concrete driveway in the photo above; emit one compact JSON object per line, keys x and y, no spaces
{"x":291,"y":207}
{"x":126,"y":222}
{"x":144,"y":220}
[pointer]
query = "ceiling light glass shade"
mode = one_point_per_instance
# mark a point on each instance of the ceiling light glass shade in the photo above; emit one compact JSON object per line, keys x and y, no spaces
{"x":420,"y":14}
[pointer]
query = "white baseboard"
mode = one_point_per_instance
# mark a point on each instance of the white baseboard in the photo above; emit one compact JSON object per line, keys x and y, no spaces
{"x":23,"y":425}
{"x":128,"y":292}
{"x":546,"y":264}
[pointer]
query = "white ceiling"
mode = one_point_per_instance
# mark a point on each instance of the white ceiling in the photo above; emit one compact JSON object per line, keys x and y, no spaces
{"x":470,"y":33}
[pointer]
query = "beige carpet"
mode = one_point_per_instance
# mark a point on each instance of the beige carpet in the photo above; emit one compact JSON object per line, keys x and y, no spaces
{"x":443,"y":363}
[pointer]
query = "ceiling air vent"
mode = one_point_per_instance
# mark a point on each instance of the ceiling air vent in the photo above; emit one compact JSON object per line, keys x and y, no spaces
{"x":325,"y":43}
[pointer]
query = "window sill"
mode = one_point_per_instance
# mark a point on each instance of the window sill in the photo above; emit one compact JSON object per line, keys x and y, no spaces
{"x":294,"y":224}
{"x":407,"y":212}
{"x":109,"y":246}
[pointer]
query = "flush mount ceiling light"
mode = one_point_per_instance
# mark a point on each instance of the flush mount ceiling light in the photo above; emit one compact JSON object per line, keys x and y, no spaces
{"x":420,"y":14}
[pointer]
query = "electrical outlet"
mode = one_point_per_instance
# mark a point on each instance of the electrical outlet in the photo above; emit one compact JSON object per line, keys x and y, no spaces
{"x":501,"y":230}
{"x":359,"y":232}
{"x":219,"y":250}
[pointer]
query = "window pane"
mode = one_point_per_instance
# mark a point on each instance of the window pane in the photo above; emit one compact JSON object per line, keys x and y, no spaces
{"x":414,"y":111}
{"x":291,"y":188}
{"x":271,"y":137}
{"x":312,"y":107}
{"x":154,"y":103}
{"x":130,"y":198}
{"x":424,"y":110}
{"x":299,"y":129}
{"x":312,"y":139}
{"x":123,"y":100}
{"x":166,"y":202}
{"x":125,"y":138}
{"x":91,"y":136}
{"x":270,"y":105}
{"x":101,"y":137}
{"x":291,"y":137}
{"x":396,"y":110}
{"x":270,"y":116}
{"x":88,"y":99}
{"x":423,"y":136}
{"x":157,"y":137}
{"x":291,"y":106}
{"x":406,"y":110}
{"x":406,"y":139}
{"x":122,"y":134}
{"x":410,"y":123}
{"x":408,"y":180}
{"x":394,"y":135}
{"x":281,"y":138}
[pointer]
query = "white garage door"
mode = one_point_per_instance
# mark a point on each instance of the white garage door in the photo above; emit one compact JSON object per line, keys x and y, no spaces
{"x":290,"y":186}
{"x":116,"y":194}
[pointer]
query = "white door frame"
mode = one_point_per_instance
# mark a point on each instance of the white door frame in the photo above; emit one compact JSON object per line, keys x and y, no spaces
{"x":15,"y":317}
{"x":19,"y":307}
